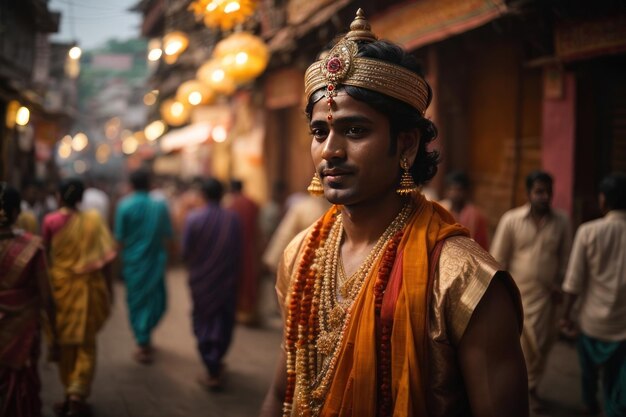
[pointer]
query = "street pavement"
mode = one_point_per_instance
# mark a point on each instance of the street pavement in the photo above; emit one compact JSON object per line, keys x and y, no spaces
{"x":169,"y":388}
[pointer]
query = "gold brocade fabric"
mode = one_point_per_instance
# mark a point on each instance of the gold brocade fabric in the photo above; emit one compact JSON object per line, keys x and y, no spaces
{"x":426,"y":381}
{"x":77,"y":254}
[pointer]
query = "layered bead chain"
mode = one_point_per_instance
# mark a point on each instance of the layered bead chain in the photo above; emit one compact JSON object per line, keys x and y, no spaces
{"x":320,"y":309}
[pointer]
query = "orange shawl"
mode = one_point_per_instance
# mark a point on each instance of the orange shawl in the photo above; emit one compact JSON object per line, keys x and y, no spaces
{"x":354,"y":388}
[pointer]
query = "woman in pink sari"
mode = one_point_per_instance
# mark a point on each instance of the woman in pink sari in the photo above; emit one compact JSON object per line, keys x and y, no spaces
{"x":24,"y":295}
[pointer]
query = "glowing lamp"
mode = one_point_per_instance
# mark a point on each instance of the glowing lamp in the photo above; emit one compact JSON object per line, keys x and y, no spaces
{"x":80,"y":141}
{"x":174,"y":112}
{"x":216,"y":78}
{"x":194,"y":92}
{"x":224,"y":14}
{"x":154,"y":130}
{"x":75,"y":52}
{"x":174,"y":44}
{"x":22,"y":116}
{"x":242,"y":55}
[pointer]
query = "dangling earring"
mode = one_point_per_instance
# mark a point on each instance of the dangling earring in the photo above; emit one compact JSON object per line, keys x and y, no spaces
{"x":407,"y":184}
{"x":316,"y":188}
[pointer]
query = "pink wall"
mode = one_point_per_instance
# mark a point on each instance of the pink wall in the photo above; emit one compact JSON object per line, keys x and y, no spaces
{"x":558,"y":142}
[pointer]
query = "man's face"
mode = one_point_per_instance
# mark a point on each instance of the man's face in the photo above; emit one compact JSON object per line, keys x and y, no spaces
{"x":540,"y":196}
{"x":456,"y":194}
{"x":351,"y":152}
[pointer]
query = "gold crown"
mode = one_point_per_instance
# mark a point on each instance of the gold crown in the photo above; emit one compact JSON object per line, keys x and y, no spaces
{"x":342,"y":67}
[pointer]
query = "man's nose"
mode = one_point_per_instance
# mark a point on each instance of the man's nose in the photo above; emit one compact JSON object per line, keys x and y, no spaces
{"x":334,"y":147}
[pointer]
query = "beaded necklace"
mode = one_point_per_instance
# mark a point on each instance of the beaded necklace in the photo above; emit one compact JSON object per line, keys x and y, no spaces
{"x":320,"y":308}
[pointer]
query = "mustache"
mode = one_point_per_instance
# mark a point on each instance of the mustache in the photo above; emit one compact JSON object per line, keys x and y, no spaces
{"x":327,"y":165}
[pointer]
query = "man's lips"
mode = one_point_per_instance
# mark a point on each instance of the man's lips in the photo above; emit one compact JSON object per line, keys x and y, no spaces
{"x":334,"y":173}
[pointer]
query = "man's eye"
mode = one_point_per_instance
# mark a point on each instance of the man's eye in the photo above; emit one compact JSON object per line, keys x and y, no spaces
{"x":356,"y":131}
{"x":318,"y":134}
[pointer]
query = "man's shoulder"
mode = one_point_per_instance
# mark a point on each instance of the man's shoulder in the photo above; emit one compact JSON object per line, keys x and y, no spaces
{"x":461,"y":255}
{"x":515,"y":213}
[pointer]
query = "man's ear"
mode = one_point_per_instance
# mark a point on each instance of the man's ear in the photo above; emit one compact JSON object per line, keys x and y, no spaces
{"x":408,"y":144}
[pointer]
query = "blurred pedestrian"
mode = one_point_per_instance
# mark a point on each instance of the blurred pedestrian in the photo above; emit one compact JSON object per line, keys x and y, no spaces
{"x":212,"y":244}
{"x":597,"y":274}
{"x":25,"y":301}
{"x":302,"y":214}
{"x":31,"y":207}
{"x":390,"y":308}
{"x":96,"y":199}
{"x":143,"y":229}
{"x":80,"y":246}
{"x":533,"y":242}
{"x":271,"y":213}
{"x":464,"y":211}
{"x":248,"y":212}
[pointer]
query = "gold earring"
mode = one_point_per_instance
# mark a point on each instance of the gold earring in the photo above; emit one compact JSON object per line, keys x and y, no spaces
{"x":407,"y":184}
{"x":316,"y":188}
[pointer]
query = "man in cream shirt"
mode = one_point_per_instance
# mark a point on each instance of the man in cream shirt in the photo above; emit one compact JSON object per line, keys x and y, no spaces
{"x":597,"y":273}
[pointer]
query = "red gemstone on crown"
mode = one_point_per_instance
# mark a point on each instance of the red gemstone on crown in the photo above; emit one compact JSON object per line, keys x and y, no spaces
{"x":334,"y":65}
{"x":330,"y":87}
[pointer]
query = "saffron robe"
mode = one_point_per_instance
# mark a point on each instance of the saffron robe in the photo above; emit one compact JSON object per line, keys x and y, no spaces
{"x":429,"y":319}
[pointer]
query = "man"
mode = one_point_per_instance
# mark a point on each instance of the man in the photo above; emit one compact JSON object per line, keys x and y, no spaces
{"x":80,"y":247}
{"x":533,"y":242}
{"x":248,"y":212}
{"x":389,"y":308}
{"x":597,"y":273}
{"x":143,"y":228}
{"x":457,"y":202}
{"x":212,"y":251}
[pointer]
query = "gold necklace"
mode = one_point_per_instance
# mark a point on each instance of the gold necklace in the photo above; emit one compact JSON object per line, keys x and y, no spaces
{"x":336,"y":298}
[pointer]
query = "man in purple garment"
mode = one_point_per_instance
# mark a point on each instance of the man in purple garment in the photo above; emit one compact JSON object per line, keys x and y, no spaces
{"x":212,"y":252}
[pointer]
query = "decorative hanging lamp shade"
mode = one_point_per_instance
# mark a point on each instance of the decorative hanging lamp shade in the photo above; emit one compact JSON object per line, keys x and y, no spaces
{"x":242,"y":55}
{"x":194,"y":92}
{"x":174,"y":44}
{"x":216,"y":78}
{"x":224,"y":14}
{"x":174,"y":112}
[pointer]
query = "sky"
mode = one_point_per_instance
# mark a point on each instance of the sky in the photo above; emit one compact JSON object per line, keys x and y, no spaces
{"x":92,"y":22}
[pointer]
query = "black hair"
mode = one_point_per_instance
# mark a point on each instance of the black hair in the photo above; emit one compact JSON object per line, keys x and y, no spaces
{"x":10,"y":200}
{"x":614,"y":189}
{"x":236,"y":185}
{"x":459,"y":178}
{"x":402,"y":116}
{"x":140,"y":179}
{"x":71,"y":191}
{"x":538,"y":176}
{"x":212,"y":189}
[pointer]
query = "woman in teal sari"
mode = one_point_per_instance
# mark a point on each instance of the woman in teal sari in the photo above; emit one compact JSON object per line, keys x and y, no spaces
{"x":143,"y":228}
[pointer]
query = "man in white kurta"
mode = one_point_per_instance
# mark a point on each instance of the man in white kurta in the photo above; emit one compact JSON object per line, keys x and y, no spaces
{"x":597,"y":274}
{"x":533,"y":242}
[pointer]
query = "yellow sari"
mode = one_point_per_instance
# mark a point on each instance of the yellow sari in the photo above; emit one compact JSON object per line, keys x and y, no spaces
{"x":78,"y":252}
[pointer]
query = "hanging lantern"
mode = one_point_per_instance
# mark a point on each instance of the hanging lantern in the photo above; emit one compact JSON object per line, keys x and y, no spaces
{"x":174,"y":44}
{"x":216,"y":78}
{"x":193,"y":93}
{"x":242,"y":55}
{"x":174,"y":112}
{"x":224,"y":14}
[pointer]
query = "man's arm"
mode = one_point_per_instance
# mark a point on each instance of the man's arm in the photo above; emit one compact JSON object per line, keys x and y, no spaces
{"x":491,"y":357}
{"x":273,"y":403}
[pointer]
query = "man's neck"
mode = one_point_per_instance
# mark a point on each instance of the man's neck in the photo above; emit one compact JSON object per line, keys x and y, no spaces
{"x":365,"y":223}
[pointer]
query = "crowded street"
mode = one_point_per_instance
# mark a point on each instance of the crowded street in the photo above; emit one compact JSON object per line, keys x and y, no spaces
{"x":169,"y":386}
{"x":312,"y":208}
